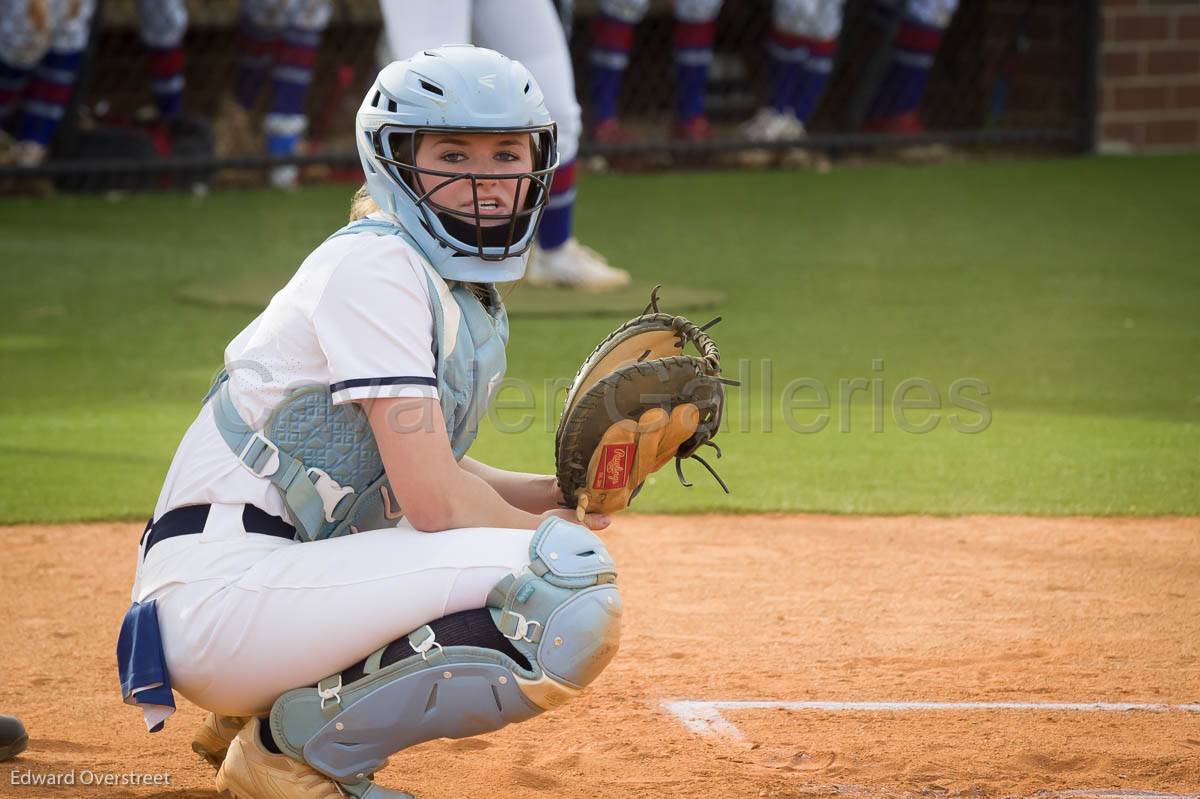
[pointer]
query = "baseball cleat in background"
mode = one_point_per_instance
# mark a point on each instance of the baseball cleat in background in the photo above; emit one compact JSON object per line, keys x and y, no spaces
{"x":769,"y":125}
{"x":574,"y":266}
{"x":696,"y":129}
{"x":13,"y":738}
{"x":609,"y":131}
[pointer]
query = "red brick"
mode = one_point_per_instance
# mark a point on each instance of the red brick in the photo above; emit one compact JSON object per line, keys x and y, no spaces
{"x":1140,"y":28}
{"x":1186,"y":97}
{"x":1122,"y":65}
{"x":1187,"y":26}
{"x":1140,"y":98}
{"x":1173,"y":62}
{"x":1173,"y":131}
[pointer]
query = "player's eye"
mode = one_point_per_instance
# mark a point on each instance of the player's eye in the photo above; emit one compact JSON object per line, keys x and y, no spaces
{"x":454,"y":157}
{"x":505,"y":155}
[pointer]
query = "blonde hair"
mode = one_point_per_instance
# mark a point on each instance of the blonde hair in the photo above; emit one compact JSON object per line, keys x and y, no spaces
{"x":361,"y":205}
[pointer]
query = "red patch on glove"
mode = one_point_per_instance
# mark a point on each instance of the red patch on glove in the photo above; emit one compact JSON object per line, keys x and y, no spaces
{"x":615,"y":461}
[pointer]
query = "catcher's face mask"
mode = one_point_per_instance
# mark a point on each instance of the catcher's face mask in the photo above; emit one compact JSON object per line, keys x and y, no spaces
{"x":485,"y":187}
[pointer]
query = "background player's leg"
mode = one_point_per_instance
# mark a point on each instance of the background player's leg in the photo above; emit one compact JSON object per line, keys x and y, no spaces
{"x":530,"y":32}
{"x":800,"y":50}
{"x":695,"y":32}
{"x":49,"y":89}
{"x":292,"y":72}
{"x":412,"y":25}
{"x":22,"y":46}
{"x":612,"y":41}
{"x":898,"y":97}
{"x":259,"y":29}
{"x":163,"y":25}
{"x":817,"y":23}
{"x":257,"y":40}
{"x":256,"y":44}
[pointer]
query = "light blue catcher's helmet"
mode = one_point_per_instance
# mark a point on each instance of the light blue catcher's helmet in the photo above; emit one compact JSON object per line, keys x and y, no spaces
{"x":470,"y":90}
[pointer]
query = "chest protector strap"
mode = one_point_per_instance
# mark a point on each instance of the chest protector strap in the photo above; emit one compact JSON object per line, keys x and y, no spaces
{"x":329,"y":490}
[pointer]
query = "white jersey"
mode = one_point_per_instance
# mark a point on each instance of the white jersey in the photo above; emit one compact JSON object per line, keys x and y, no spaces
{"x":357,"y":312}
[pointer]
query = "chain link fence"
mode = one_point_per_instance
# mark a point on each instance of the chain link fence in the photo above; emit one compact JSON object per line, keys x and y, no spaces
{"x":167,"y":93}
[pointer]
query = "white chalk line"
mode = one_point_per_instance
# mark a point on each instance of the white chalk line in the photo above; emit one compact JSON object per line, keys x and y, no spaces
{"x":705,"y":718}
{"x":1119,"y":794}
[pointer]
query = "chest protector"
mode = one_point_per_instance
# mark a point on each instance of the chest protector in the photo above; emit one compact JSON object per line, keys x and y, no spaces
{"x":323,"y":457}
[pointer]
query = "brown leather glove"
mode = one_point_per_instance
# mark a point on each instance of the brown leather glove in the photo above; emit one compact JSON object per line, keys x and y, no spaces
{"x":638,"y":402}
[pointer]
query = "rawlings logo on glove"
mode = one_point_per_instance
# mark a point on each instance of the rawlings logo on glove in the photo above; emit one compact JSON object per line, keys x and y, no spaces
{"x":638,"y":402}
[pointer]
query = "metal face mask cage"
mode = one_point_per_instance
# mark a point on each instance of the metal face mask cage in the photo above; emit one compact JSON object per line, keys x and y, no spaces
{"x":516,"y":223}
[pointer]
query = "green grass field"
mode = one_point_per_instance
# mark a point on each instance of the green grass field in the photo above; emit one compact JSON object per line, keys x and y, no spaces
{"x":1070,"y":288}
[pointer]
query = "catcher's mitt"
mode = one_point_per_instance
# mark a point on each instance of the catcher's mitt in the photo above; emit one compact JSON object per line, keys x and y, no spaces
{"x":637,"y":402}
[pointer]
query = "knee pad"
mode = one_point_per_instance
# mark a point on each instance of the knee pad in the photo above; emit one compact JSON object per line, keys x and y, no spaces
{"x":562,"y":615}
{"x":562,"y":612}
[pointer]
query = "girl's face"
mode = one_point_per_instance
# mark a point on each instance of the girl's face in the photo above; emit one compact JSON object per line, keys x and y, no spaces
{"x":481,"y":154}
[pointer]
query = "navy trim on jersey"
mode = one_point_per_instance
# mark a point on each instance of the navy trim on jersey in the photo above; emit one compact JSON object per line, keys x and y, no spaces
{"x":382,"y":381}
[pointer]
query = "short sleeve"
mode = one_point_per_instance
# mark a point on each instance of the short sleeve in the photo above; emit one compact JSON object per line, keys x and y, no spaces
{"x":375,"y":325}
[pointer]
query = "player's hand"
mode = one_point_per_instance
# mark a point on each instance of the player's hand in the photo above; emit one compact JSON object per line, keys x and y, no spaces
{"x":592,"y":521}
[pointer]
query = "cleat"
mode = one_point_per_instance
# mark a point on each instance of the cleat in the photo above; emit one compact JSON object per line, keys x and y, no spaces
{"x":13,"y":738}
{"x":696,"y":129}
{"x":214,"y":736}
{"x":251,"y":772}
{"x":610,"y":131}
{"x":907,"y":124}
{"x":574,"y":266}
{"x":286,"y":177}
{"x":769,"y":125}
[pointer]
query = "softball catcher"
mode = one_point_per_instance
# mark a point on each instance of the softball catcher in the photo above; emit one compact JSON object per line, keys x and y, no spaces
{"x":326,"y":570}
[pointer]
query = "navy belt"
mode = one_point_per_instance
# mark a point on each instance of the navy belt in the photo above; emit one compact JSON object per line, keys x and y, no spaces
{"x":190,"y":520}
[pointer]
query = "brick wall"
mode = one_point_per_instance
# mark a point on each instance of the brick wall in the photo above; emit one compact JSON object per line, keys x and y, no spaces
{"x":1149,"y":93}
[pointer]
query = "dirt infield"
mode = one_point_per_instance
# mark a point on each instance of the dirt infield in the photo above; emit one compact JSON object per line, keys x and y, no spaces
{"x":831,"y":609}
